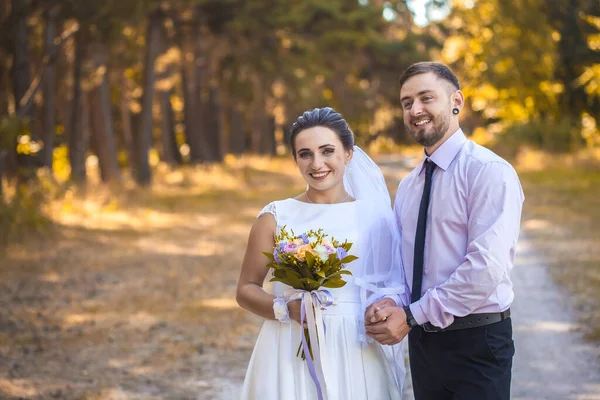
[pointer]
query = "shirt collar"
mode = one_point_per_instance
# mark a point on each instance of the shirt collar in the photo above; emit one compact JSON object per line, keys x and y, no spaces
{"x":444,"y":154}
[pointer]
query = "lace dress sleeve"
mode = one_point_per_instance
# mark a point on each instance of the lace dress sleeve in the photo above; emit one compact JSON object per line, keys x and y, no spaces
{"x":269,"y":209}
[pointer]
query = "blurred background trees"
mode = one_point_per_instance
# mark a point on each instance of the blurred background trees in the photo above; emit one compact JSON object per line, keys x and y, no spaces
{"x":130,"y":83}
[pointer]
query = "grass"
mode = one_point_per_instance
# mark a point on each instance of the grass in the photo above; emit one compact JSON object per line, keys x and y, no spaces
{"x":562,"y":218}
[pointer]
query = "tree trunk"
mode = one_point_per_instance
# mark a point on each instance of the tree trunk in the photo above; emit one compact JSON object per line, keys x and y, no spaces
{"x":237,"y":138}
{"x":193,"y":138}
{"x":572,"y":51}
{"x":125,"y":101}
{"x":64,"y":69}
{"x":257,"y":116}
{"x":291,"y":115}
{"x":21,"y":62}
{"x":201,"y":93}
{"x":101,"y":122}
{"x":4,"y":78}
{"x":214,"y":126}
{"x":170,"y":153}
{"x":170,"y":150}
{"x":2,"y":157}
{"x":77,"y":138}
{"x":49,"y":116}
{"x":20,"y":77}
{"x":3,"y":114}
{"x":144,"y":133}
{"x":267,"y":138}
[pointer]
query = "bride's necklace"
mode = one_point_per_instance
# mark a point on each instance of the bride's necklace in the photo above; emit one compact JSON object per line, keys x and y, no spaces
{"x":345,"y":198}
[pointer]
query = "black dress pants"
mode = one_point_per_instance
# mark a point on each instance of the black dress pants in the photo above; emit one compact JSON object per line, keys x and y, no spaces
{"x":467,"y":364}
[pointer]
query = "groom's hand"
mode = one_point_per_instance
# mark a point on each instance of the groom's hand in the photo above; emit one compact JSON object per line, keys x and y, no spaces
{"x":391,"y":327}
{"x":377,"y":306}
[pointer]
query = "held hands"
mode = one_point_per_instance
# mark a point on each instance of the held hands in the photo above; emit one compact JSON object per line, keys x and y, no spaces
{"x":385,"y":322}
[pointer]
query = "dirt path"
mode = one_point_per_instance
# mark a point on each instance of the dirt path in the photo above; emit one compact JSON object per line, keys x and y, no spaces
{"x":552,"y":360}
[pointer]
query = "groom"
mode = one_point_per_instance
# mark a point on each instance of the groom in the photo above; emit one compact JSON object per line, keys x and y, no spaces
{"x":458,"y":213}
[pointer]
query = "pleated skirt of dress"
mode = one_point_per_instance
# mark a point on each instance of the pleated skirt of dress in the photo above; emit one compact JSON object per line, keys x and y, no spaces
{"x":354,"y":371}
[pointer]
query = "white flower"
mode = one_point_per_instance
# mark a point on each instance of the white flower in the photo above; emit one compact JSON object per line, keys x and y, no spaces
{"x":321,"y":251}
{"x":281,"y":311}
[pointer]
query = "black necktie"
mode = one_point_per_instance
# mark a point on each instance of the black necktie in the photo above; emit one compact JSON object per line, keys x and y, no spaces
{"x":420,"y":235}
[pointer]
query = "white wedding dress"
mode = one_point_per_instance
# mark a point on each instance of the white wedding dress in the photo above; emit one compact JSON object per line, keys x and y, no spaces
{"x":355,"y":371}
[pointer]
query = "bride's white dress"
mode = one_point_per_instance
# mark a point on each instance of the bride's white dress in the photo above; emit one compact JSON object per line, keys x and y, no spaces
{"x":354,"y":371}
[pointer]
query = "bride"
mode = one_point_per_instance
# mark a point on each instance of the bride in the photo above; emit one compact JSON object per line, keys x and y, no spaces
{"x":347,"y":197}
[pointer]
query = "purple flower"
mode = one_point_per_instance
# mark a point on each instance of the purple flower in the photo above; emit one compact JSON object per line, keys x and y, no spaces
{"x":290,"y":248}
{"x":304,"y":238}
{"x":276,"y":256}
{"x":282,"y":246}
{"x":341,"y":253}
{"x":329,"y":249}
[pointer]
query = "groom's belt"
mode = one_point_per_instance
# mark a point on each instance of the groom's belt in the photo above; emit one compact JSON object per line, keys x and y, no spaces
{"x":469,"y":321}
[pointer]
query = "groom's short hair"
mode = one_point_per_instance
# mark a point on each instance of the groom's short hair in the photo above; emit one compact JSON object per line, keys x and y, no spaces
{"x":440,"y":70}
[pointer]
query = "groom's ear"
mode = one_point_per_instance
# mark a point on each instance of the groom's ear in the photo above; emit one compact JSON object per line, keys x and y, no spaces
{"x":458,"y":99}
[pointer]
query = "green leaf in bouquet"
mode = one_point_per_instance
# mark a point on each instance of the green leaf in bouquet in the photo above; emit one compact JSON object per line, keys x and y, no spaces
{"x":269,"y":255}
{"x":321,"y":273}
{"x":334,"y":283}
{"x":348,"y":259}
{"x":309,"y":281}
{"x":304,"y":270}
{"x":310,"y":259}
{"x":338,"y":274}
{"x":294,"y":272}
{"x":344,"y":272}
{"x":280,"y":273}
{"x":327,"y":268}
{"x":293,"y":280}
{"x":276,"y":266}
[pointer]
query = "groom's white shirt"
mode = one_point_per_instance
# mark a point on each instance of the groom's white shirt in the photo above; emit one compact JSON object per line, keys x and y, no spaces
{"x":472,"y":230}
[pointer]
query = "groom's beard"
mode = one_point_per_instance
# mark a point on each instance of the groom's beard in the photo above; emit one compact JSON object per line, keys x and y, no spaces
{"x":438,"y":130}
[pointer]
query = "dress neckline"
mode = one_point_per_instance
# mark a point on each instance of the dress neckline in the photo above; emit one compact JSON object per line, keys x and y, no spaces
{"x":323,"y":204}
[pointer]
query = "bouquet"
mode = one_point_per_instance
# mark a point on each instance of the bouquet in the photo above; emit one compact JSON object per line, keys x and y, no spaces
{"x":307,"y":263}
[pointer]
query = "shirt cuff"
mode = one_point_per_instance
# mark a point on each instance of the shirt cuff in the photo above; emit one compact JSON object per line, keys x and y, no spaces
{"x":418,"y":313}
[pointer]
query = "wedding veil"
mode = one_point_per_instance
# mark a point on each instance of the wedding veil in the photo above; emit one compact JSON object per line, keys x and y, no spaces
{"x":380,"y":273}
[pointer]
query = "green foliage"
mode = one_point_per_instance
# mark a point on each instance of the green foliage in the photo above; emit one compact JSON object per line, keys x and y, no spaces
{"x":529,"y":67}
{"x":10,"y":129}
{"x":555,"y":136}
{"x":23,"y":212}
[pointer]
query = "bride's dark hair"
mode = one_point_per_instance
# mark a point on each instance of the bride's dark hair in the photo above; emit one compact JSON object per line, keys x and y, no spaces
{"x":326,"y":117}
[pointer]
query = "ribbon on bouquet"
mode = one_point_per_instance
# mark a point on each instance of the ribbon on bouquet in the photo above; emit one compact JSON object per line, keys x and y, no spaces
{"x":310,"y":310}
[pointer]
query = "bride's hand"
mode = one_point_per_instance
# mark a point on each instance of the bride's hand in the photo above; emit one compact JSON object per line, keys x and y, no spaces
{"x":376,"y":307}
{"x":294,"y":310}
